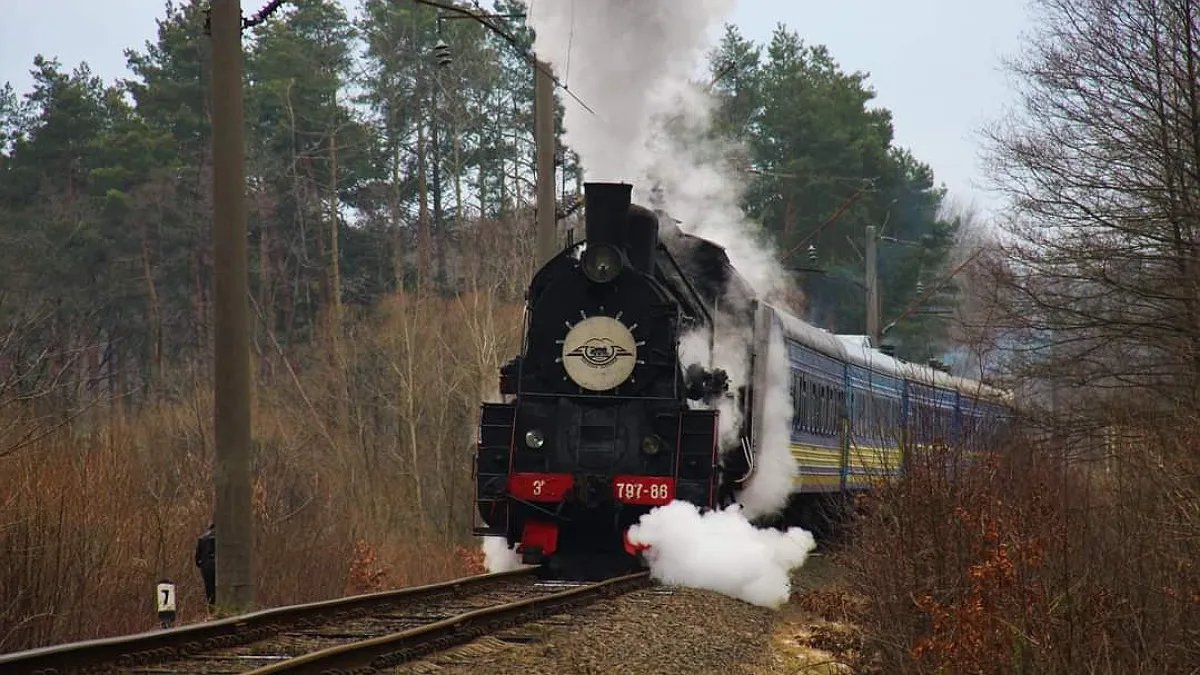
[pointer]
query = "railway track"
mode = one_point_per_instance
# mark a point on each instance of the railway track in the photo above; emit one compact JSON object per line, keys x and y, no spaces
{"x":360,"y":634}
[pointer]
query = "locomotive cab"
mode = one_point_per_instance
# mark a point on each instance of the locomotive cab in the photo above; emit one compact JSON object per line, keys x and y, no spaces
{"x":596,"y":430}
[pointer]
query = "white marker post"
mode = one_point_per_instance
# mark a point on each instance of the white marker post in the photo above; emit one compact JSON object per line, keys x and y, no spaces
{"x":164,"y":597}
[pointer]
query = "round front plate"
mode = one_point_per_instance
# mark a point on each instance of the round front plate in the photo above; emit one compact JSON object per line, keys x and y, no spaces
{"x":599,"y":353}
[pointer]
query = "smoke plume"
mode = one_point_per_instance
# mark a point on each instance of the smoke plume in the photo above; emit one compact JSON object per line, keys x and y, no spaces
{"x":632,"y":62}
{"x":721,"y":551}
{"x":628,"y":59}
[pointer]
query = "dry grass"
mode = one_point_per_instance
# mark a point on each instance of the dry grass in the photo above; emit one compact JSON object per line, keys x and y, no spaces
{"x":362,"y":465}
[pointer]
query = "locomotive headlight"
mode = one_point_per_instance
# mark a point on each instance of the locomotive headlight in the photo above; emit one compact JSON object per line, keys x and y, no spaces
{"x":535,"y":439}
{"x":651,"y":445}
{"x":601,"y":263}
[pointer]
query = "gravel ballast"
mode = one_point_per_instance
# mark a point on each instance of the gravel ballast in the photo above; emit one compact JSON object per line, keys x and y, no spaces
{"x":658,"y":630}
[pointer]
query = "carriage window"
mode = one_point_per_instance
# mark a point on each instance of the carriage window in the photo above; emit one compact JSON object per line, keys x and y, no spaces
{"x":872,"y":416}
{"x":826,"y":402}
{"x":819,"y":426}
{"x":797,"y":401}
{"x":797,"y":398}
{"x":836,"y":401}
{"x":801,"y":421}
{"x":872,"y":405}
{"x":807,"y":405}
{"x":819,"y":422}
{"x":826,"y":407}
{"x":862,"y":412}
{"x":878,"y":416}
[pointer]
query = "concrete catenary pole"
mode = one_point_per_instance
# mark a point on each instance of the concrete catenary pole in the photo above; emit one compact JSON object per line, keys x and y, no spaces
{"x":231,"y":313}
{"x":543,"y":131}
{"x":872,"y":278}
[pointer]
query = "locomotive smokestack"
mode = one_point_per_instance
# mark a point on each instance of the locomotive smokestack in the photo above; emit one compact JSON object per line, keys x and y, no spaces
{"x":612,"y":219}
{"x":607,"y":209}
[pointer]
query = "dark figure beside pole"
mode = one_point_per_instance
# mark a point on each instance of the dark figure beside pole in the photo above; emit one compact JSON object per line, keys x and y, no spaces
{"x":206,"y":560}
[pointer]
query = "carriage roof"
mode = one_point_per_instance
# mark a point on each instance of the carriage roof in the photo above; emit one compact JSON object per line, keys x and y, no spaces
{"x":856,"y":350}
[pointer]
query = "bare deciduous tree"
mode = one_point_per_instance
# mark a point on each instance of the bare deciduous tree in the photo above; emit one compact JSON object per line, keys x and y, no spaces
{"x":1102,"y":288}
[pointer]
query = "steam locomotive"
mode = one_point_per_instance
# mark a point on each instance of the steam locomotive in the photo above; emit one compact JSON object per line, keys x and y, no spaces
{"x":609,"y":412}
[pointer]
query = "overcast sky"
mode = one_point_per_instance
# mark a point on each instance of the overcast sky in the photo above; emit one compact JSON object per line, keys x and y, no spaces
{"x":934,"y":63}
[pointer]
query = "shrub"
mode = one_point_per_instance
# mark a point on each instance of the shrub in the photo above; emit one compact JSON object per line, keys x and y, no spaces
{"x":1033,"y":561}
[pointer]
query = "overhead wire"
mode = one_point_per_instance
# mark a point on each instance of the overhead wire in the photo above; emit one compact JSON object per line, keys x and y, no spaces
{"x":570,"y":42}
{"x":511,"y":40}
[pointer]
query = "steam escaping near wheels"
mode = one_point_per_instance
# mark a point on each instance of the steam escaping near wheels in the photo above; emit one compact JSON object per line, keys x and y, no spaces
{"x":721,"y":551}
{"x":498,"y":557}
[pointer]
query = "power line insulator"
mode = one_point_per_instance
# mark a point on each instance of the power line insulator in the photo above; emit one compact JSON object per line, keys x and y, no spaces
{"x":442,"y":51}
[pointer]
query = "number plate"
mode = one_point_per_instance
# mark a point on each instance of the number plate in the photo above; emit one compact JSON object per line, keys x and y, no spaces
{"x":644,"y":490}
{"x":540,"y":487}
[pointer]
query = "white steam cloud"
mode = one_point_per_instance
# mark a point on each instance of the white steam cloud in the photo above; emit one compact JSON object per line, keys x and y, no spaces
{"x":701,"y":185}
{"x":498,"y":557}
{"x":767,"y":489}
{"x":629,"y":60}
{"x":632,"y":62}
{"x":721,"y":551}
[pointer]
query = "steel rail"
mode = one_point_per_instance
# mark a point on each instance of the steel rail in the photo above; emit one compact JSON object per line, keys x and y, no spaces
{"x":172,"y":643}
{"x":391,"y":650}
